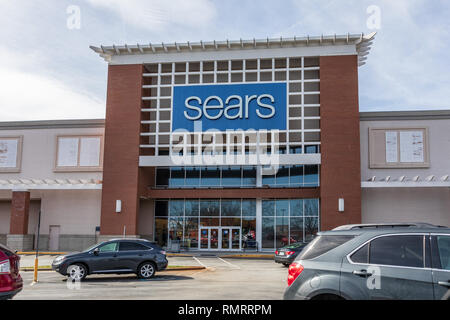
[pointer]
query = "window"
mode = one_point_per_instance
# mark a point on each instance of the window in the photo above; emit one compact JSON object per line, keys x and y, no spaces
{"x":311,"y":177}
{"x":79,"y":153}
{"x":237,"y":176}
{"x":162,"y":176}
{"x":161,"y":208}
{"x":231,"y":208}
{"x":402,"y":250}
{"x":361,"y":255}
{"x":180,"y":219}
{"x":321,"y":245}
{"x":283,"y":176}
{"x":209,"y":208}
{"x":10,"y":154}
{"x":288,"y":221}
{"x":249,"y":177}
{"x":131,"y":246}
{"x":109,"y":247}
{"x":176,"y":208}
{"x":398,"y":148}
{"x":248,"y":208}
{"x":443,"y":246}
{"x":231,"y":176}
{"x":192,"y":177}
{"x":210,"y":176}
{"x":176,"y":177}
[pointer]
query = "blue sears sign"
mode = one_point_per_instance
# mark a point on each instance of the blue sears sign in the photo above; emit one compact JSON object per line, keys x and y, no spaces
{"x":230,"y":106}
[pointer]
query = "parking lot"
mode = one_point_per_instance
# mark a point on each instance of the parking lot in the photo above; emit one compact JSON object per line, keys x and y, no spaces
{"x":223,"y":278}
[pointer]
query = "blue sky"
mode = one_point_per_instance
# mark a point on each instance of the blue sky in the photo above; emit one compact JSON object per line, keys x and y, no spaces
{"x":47,"y":70}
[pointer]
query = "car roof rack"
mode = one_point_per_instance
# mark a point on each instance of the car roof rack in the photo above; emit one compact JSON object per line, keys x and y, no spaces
{"x":387,"y":225}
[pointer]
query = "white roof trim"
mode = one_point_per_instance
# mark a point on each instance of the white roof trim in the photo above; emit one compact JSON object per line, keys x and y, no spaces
{"x":360,"y":41}
{"x":50,"y":184}
{"x":405,"y":182}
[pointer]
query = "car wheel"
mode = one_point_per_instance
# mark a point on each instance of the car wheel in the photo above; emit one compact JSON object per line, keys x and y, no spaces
{"x":286,"y":264}
{"x":146,"y":270}
{"x":76,"y":272}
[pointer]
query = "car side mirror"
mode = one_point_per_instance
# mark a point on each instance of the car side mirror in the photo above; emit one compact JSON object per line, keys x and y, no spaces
{"x":96,"y":251}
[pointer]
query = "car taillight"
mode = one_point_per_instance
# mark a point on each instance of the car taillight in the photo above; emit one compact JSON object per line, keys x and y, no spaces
{"x":5,"y":267}
{"x":294,"y":271}
{"x":276,"y":252}
{"x":163,"y":252}
{"x":288,"y":253}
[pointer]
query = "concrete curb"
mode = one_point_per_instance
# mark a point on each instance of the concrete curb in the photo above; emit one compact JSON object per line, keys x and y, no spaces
{"x":41,"y":253}
{"x":181,"y":268}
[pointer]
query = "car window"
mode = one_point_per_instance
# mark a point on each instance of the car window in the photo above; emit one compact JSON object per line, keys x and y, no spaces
{"x":321,"y":245}
{"x":399,"y":250}
{"x":295,"y":245}
{"x":109,"y":247}
{"x":443,"y":244}
{"x":6,"y":250}
{"x":130,"y":246}
{"x":361,"y":255}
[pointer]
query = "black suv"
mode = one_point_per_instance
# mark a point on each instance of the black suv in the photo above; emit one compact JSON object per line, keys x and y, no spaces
{"x":116,"y":256}
{"x":378,"y":261}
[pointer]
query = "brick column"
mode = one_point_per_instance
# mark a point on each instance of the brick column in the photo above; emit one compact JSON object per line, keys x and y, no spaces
{"x":340,"y":143}
{"x":20,"y":209}
{"x":121,"y":153}
{"x":18,"y":237}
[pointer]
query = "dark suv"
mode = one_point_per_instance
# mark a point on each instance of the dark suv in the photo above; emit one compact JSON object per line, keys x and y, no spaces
{"x":379,"y":261}
{"x":116,"y":256}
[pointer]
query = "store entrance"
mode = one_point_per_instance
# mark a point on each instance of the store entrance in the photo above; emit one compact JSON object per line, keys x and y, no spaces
{"x":220,"y":238}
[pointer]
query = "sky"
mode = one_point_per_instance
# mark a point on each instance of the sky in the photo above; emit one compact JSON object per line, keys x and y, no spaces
{"x":47,"y":70}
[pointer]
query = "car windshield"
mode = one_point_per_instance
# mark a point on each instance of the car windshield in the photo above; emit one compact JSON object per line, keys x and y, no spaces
{"x":92,"y":247}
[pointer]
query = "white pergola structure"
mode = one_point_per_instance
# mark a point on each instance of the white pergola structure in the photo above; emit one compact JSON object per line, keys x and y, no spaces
{"x":406,"y":182}
{"x":361,"y":41}
{"x":50,"y":184}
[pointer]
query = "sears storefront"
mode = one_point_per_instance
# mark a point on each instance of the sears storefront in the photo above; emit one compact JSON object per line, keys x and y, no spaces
{"x":235,"y":126}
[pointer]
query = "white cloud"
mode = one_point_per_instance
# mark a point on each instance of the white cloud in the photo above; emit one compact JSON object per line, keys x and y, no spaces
{"x":406,"y":68}
{"x":25,"y":95}
{"x":158,"y":14}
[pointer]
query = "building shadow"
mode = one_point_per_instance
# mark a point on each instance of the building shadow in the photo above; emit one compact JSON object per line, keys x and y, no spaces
{"x":130,"y":279}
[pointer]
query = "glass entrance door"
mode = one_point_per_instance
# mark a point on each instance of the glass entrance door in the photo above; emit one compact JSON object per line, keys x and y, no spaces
{"x":209,"y":238}
{"x":214,"y":238}
{"x":220,"y":238}
{"x":204,"y":238}
{"x":225,"y":238}
{"x":236,"y":238}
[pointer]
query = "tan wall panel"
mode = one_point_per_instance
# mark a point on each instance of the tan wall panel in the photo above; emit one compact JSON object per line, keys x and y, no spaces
{"x":406,"y":205}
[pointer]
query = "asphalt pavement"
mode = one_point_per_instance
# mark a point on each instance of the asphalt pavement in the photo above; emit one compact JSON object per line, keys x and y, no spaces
{"x":223,"y":278}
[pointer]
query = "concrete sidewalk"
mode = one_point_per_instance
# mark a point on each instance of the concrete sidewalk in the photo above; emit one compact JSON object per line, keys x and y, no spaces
{"x":27,"y":261}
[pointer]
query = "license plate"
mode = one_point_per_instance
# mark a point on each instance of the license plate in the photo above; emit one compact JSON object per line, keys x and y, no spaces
{"x":281,"y":253}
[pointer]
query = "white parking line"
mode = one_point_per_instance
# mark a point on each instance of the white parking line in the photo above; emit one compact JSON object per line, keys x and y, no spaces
{"x":233,"y":265}
{"x":199,"y":262}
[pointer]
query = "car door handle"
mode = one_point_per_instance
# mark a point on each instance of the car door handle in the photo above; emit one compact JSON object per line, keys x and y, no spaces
{"x":445,"y":284}
{"x":362,"y":273}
